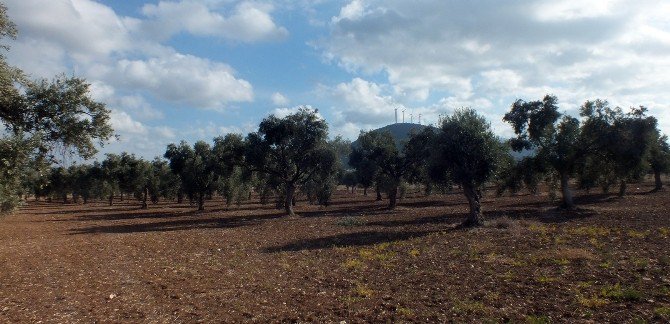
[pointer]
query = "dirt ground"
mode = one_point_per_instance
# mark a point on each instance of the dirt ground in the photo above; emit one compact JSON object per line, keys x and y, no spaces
{"x":353,"y":261}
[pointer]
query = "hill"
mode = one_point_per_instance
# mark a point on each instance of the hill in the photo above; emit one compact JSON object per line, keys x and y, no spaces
{"x":399,"y":131}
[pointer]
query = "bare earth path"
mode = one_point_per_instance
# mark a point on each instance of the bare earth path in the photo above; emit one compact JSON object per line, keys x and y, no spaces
{"x":353,"y":261}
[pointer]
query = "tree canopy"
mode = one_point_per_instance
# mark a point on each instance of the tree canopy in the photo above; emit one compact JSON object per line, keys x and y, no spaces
{"x":292,"y":150}
{"x":466,"y":151}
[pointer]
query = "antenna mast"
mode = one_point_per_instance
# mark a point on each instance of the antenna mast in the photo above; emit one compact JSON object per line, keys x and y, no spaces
{"x":396,"y":115}
{"x":403,"y":116}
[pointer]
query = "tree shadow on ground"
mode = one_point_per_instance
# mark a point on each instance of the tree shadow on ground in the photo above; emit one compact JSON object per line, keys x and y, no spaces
{"x":431,"y":203}
{"x":344,"y":240}
{"x":586,"y":199}
{"x":176,"y":225}
{"x":345,"y":211}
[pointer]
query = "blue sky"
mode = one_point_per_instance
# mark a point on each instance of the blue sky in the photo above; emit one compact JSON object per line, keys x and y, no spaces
{"x":172,"y":70}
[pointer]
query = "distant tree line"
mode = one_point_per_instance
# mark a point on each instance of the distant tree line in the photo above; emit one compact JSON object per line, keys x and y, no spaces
{"x":292,"y":156}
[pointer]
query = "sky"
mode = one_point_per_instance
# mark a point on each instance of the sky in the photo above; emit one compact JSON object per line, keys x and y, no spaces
{"x":194,"y":70}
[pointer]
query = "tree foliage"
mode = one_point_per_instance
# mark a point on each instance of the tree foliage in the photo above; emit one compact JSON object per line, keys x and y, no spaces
{"x":377,"y":155}
{"x":555,"y":138}
{"x":618,"y":141}
{"x":290,"y":150}
{"x":466,"y":151}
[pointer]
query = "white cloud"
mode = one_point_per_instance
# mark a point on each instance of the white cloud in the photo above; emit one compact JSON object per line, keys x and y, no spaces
{"x":184,"y":79}
{"x":124,"y":124}
{"x":279,"y":99}
{"x":489,"y":53}
{"x":248,"y":22}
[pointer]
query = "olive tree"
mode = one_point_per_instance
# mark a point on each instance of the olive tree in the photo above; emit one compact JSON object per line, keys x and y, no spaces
{"x":622,"y":140}
{"x":290,"y":150}
{"x":659,"y":158}
{"x":43,"y":119}
{"x":555,"y":138}
{"x":379,"y":149}
{"x":466,"y":151}
{"x":196,"y":167}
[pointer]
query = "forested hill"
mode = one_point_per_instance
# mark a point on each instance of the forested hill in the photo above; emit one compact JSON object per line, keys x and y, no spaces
{"x":399,"y":131}
{"x":402,"y":131}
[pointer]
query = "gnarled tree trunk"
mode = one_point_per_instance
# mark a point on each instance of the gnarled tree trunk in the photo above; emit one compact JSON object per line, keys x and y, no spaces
{"x":379,"y":192}
{"x":111,"y":199}
{"x":475,"y":217}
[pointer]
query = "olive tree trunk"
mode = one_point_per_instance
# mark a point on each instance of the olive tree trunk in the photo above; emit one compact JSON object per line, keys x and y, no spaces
{"x":288,"y":199}
{"x":622,"y":188}
{"x":475,"y":217}
{"x":201,"y":201}
{"x":657,"y":180}
{"x":568,"y":203}
{"x":393,"y":197}
{"x":379,"y":192}
{"x":145,"y":195}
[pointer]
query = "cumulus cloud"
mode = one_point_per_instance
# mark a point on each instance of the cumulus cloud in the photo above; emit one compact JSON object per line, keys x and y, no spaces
{"x":184,"y":79}
{"x":102,"y":46}
{"x":248,"y":22}
{"x":489,"y":53}
{"x":279,"y":99}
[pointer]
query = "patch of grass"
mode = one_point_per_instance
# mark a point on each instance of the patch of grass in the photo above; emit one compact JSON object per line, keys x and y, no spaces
{"x":638,"y":234}
{"x":468,"y":307}
{"x":562,"y":262}
{"x":403,"y":311}
{"x":664,"y":232}
{"x":350,"y":222}
{"x":663,"y":312}
{"x":363,"y":291}
{"x":591,"y":231}
{"x":596,"y":244}
{"x":560,"y":239}
{"x":353,"y":264}
{"x":663,"y":291}
{"x":584,"y":284}
{"x":414,"y":252}
{"x":640,"y":264}
{"x":607,"y":264}
{"x":592,"y":302}
{"x":537,"y":319}
{"x":542,"y":229}
{"x":545,"y":279}
{"x":507,"y":276}
{"x":616,"y":292}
